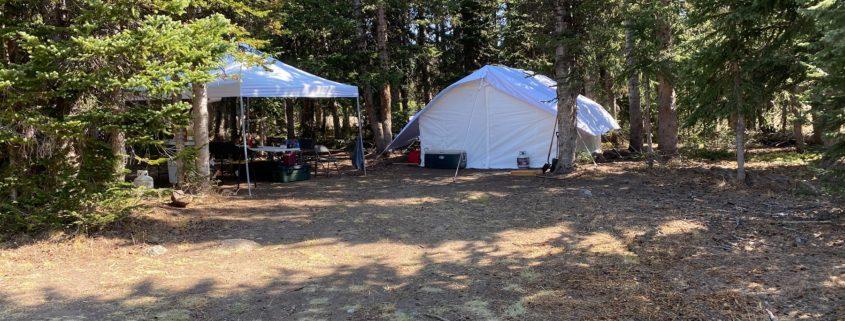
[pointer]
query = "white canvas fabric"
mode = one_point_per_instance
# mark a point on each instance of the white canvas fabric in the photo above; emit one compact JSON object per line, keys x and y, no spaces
{"x":495,"y":113}
{"x":274,"y":79}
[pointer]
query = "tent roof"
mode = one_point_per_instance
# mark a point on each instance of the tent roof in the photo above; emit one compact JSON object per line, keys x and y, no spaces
{"x":274,"y":79}
{"x":533,"y":89}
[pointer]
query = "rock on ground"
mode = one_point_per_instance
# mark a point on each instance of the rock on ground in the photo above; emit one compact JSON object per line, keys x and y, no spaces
{"x":155,"y":250}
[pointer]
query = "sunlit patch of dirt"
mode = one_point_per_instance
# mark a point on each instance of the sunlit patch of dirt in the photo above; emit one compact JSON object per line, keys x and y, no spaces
{"x":403,"y":243}
{"x":401,"y":201}
{"x":604,"y":243}
{"x":675,"y":227}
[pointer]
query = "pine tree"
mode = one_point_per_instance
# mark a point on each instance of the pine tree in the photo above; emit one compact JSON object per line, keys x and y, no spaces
{"x":828,"y":96}
{"x":66,"y":69}
{"x":569,"y":77}
{"x":667,"y":114}
{"x":745,"y":53}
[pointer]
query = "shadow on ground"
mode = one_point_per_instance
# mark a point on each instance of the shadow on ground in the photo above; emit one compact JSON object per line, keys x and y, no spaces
{"x":617,"y":242}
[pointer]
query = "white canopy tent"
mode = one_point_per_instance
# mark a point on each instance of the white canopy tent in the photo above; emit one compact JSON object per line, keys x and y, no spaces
{"x":496,"y":112}
{"x":276,"y":79}
{"x":273,"y":79}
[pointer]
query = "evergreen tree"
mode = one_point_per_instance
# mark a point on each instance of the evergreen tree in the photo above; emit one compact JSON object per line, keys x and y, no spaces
{"x":67,"y":69}
{"x":829,"y":94}
{"x":746,"y":52}
{"x":569,"y":29}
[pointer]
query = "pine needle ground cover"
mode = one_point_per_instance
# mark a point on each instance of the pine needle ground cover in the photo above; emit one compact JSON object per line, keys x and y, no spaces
{"x":679,"y":241}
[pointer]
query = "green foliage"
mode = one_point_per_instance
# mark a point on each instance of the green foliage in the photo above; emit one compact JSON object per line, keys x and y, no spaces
{"x":757,"y":44}
{"x":82,"y":195}
{"x":704,"y":153}
{"x":66,"y":87}
{"x":829,"y":93}
{"x":831,"y":178}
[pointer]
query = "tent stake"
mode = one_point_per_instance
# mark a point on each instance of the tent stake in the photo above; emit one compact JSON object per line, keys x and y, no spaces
{"x":460,"y":159}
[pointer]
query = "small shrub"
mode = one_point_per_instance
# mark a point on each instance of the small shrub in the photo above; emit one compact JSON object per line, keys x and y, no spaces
{"x":708,"y":154}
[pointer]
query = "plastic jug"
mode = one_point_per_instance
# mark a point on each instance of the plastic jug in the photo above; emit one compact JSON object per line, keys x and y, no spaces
{"x":522,"y":160}
{"x":143,"y":180}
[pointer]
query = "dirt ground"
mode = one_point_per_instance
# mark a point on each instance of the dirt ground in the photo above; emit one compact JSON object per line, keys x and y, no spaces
{"x":613,"y":242}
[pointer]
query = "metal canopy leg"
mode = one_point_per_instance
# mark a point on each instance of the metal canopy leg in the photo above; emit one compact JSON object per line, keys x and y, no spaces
{"x":361,"y":135}
{"x":243,"y":138}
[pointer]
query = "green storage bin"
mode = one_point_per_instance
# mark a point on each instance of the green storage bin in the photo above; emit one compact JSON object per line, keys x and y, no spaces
{"x":287,"y":174}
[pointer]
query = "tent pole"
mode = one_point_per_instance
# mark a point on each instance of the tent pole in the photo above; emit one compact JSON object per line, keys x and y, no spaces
{"x":243,"y":138}
{"x":361,"y":135}
{"x":481,"y":85}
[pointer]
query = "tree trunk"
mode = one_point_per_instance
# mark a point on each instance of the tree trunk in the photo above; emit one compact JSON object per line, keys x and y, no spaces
{"x":739,"y":127}
{"x":607,"y":90}
{"x":179,"y":142}
{"x":797,"y":121}
{"x":667,"y":122}
{"x":667,"y":114}
{"x":649,"y":129}
{"x":218,"y":118}
{"x":404,"y":99}
{"x":568,"y":81}
{"x":200,"y":119}
{"x":740,"y":147}
{"x":320,"y":116}
{"x":234,"y":124}
{"x":817,"y":137}
{"x":635,"y":139}
{"x":396,"y":96}
{"x":608,"y":100}
{"x":386,"y":134}
{"x":290,"y":120}
{"x":346,"y":120}
{"x":306,"y":119}
{"x":386,"y":97}
{"x":423,"y":60}
{"x":117,"y":141}
{"x":373,"y":111}
{"x":783,"y":114}
{"x":372,"y":114}
{"x":338,"y":132}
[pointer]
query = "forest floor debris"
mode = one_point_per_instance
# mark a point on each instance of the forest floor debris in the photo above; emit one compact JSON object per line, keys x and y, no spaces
{"x":405,"y":243}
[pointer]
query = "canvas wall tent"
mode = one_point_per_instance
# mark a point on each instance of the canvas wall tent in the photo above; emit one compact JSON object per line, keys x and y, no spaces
{"x":496,"y":112}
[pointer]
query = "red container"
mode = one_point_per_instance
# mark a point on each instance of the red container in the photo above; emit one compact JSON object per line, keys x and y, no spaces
{"x":289,"y":159}
{"x":414,"y":156}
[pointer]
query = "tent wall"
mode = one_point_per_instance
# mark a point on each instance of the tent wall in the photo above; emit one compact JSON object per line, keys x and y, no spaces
{"x":491,"y":126}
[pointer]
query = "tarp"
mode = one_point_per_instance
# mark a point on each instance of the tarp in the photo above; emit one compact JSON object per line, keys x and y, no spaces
{"x":273,"y":79}
{"x":497,"y":111}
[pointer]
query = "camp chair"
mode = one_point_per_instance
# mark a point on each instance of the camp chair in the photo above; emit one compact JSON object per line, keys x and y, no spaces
{"x":226,"y":156}
{"x":324,"y":156}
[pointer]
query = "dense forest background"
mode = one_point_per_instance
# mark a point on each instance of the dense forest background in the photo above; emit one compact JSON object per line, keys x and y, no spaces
{"x":696,"y":74}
